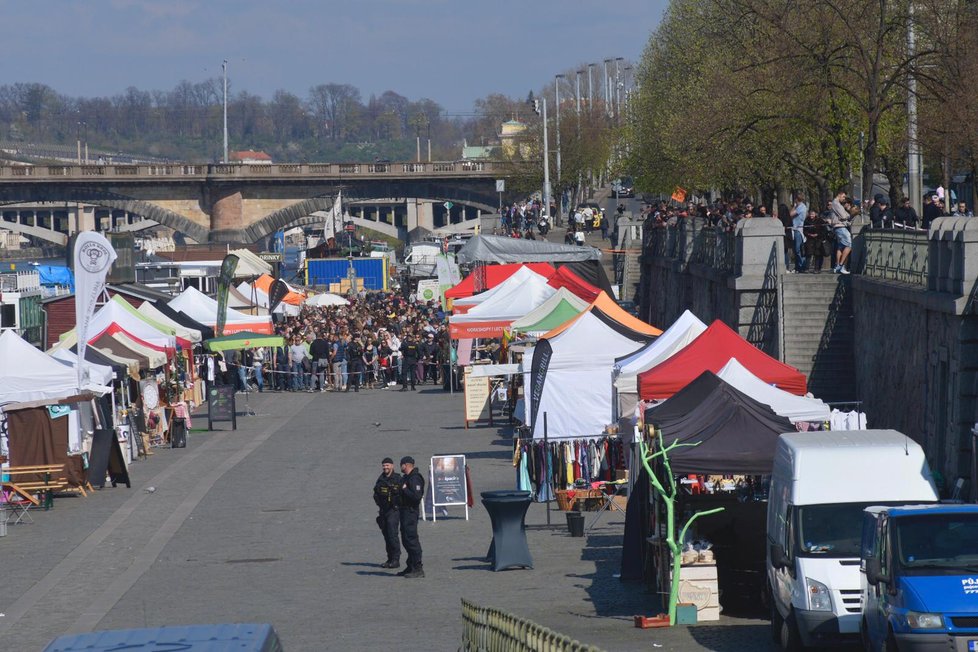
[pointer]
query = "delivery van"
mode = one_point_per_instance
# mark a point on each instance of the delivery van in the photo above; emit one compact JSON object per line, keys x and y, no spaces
{"x":820,"y":484}
{"x":921,"y":578}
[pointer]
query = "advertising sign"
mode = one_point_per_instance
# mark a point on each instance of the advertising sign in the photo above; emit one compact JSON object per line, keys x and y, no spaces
{"x":428,"y":290}
{"x":220,"y":406}
{"x":477,"y":393}
{"x":448,"y":483}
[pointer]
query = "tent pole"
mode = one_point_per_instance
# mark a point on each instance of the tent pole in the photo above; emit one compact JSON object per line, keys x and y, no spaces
{"x":546,"y":456}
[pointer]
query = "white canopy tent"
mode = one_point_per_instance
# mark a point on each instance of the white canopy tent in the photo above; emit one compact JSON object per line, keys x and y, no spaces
{"x":30,"y":375}
{"x":521,"y":276}
{"x":569,"y":376}
{"x":200,"y":307}
{"x":97,"y":373}
{"x":249,"y":264}
{"x":792,"y":407}
{"x":113,"y":318}
{"x":511,"y":299}
{"x":626,"y":370}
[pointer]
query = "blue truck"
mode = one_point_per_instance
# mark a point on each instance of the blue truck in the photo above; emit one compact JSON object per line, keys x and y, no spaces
{"x":920,"y":571}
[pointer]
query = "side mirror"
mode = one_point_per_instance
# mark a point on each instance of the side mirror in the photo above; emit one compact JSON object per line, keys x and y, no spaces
{"x":779,"y":558}
{"x":874,"y":574}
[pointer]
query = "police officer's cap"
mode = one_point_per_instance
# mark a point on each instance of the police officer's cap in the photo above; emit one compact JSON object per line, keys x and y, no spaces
{"x":407,"y":459}
{"x":387,"y":460}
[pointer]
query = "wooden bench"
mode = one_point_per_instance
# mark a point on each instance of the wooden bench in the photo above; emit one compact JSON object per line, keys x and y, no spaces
{"x":46,"y":486}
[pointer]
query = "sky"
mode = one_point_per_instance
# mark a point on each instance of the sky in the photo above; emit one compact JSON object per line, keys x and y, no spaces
{"x":450,"y":51}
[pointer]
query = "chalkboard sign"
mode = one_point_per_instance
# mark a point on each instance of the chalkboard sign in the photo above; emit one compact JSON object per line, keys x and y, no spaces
{"x":220,"y":406}
{"x":448,"y":486}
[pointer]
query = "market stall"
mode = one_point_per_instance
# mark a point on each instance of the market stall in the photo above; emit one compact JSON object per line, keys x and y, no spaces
{"x":509,"y":301}
{"x":560,"y":308}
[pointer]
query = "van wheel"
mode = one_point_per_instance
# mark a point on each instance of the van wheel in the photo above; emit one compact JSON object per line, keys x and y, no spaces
{"x":776,"y":623}
{"x":790,"y":638}
{"x":891,"y":643}
{"x":864,"y":637}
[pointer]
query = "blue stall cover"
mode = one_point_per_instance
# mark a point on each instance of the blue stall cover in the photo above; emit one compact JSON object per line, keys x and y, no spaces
{"x":56,"y":275}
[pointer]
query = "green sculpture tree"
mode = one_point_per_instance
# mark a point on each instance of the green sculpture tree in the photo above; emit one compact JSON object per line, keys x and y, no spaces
{"x":668,"y":492}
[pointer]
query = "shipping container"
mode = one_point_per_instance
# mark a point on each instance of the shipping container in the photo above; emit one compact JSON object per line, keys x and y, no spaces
{"x":371,"y":272}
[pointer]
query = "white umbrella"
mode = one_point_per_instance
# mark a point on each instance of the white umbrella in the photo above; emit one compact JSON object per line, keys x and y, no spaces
{"x":326,"y":299}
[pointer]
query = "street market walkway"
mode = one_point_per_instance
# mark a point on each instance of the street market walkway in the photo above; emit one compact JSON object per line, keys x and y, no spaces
{"x":274,"y":523}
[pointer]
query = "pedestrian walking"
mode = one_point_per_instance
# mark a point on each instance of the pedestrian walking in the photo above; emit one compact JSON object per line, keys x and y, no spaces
{"x":386,"y":491}
{"x":410,"y":497}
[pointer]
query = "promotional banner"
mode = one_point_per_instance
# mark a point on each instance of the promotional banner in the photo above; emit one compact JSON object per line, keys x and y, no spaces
{"x":223,"y":286}
{"x":542,"y":353}
{"x":276,"y":293}
{"x":448,"y":276}
{"x":93,"y":255}
{"x":334,"y":221}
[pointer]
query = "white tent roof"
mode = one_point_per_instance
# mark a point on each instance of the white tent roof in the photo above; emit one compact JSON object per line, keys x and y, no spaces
{"x":200,"y":307}
{"x":514,"y":298}
{"x":151,"y":312}
{"x":97,"y":373}
{"x":327,"y":299}
{"x":249,"y":264}
{"x":28,"y":374}
{"x":522,"y":275}
{"x":794,"y":408}
{"x":113,"y":313}
{"x":576,"y":393}
{"x":683,"y":331}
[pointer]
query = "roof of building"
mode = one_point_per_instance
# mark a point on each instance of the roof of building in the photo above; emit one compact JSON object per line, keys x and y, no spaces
{"x":137,"y":290}
{"x":247,"y":154}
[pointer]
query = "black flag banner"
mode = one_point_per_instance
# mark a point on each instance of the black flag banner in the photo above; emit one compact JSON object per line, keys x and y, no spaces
{"x":223,"y":287}
{"x":542,"y":353}
{"x":276,"y":293}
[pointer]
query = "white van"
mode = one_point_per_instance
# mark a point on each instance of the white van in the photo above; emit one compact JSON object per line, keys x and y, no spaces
{"x":820,"y":484}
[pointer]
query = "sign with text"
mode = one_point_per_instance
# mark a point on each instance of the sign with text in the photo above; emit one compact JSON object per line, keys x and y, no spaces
{"x":477,"y":394}
{"x":270,"y":256}
{"x":428,"y":289}
{"x":220,"y":406}
{"x":500,"y":185}
{"x":448,"y":485}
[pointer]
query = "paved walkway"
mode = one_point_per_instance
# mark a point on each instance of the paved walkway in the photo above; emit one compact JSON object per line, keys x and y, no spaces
{"x":274,"y":523}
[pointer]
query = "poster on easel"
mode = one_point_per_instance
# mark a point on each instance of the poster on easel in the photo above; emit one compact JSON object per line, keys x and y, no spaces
{"x":448,"y":485}
{"x":478,"y":391}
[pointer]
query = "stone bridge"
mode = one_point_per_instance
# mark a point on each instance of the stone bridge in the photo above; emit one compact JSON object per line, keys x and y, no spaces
{"x":897,"y":339}
{"x":245,"y":203}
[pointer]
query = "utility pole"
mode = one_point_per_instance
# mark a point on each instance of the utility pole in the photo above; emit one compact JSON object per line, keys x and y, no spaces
{"x":618,"y":61}
{"x":560,"y":209}
{"x":590,"y":88}
{"x":537,"y":106}
{"x":225,"y":69}
{"x":607,"y":89}
{"x":914,"y":172}
{"x":577,"y":96}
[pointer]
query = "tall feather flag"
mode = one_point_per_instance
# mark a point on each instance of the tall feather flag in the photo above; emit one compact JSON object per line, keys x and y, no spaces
{"x":223,"y":287}
{"x":276,"y":293}
{"x":92,"y":257}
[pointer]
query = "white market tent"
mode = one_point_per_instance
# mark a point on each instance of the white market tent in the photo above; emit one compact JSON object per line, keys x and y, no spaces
{"x":150,"y":311}
{"x":97,"y":373}
{"x":512,"y":299}
{"x":249,"y":264}
{"x":521,"y":276}
{"x":570,"y":373}
{"x":544,"y":309}
{"x":626,"y":370}
{"x":30,"y":375}
{"x":792,"y":407}
{"x":326,"y":299}
{"x":113,"y":318}
{"x":200,"y":307}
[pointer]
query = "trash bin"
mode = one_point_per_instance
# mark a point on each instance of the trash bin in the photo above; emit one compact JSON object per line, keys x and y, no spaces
{"x":178,"y":433}
{"x":575,"y":524}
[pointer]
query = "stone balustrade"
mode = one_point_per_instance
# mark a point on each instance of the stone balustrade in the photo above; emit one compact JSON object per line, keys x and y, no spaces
{"x":439,"y":169}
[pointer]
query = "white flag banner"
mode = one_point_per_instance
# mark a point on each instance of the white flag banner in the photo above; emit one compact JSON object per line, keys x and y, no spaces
{"x":93,"y":256}
{"x":334,"y":222}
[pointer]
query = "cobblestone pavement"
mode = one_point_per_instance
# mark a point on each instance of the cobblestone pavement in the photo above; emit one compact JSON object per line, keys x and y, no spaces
{"x":274,"y":523}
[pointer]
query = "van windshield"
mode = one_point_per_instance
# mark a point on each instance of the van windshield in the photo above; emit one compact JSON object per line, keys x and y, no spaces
{"x":830,"y":530}
{"x":937,"y":541}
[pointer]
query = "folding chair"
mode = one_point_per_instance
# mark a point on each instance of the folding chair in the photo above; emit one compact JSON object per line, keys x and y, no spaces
{"x":18,"y":503}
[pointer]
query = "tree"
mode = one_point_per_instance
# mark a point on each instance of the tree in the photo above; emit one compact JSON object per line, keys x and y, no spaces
{"x":334,"y":105}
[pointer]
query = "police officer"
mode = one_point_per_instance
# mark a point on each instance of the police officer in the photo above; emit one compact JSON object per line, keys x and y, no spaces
{"x":411,"y":353}
{"x":411,"y":495}
{"x":386,"y":491}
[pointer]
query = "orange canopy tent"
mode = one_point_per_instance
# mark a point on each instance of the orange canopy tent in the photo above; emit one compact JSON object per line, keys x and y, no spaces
{"x":264,"y":283}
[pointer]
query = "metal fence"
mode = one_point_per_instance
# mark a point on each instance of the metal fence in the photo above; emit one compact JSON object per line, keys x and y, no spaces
{"x":895,"y":255}
{"x":695,"y":241}
{"x":485,"y":629}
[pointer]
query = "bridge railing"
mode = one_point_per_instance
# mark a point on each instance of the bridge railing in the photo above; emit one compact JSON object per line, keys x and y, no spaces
{"x":896,"y":255}
{"x":276,"y":170}
{"x":485,"y":629}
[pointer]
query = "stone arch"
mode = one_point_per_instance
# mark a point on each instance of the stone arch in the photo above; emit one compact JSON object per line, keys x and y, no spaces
{"x":288,"y":216}
{"x":163,"y":216}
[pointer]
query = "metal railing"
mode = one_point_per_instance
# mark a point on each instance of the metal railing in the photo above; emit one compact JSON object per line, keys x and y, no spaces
{"x":485,"y":629}
{"x":896,"y":255}
{"x":695,"y":241}
{"x":278,"y":170}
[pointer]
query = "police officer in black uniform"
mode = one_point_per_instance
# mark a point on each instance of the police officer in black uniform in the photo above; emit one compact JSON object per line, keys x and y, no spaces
{"x":386,"y":491}
{"x":411,"y":495}
{"x":411,"y":352}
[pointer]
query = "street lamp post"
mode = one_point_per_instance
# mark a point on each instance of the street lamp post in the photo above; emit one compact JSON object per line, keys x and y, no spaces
{"x":560,"y":209}
{"x":590,"y":88}
{"x":914,"y":177}
{"x":224,"y":67}
{"x":618,"y":61}
{"x":607,"y":88}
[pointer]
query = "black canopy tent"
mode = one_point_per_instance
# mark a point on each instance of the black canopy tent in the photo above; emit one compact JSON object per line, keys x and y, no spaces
{"x":735,"y":433}
{"x":95,"y":356}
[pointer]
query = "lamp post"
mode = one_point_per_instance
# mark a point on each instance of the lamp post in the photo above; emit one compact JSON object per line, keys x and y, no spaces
{"x":618,"y":61}
{"x":914,"y":176}
{"x":560,"y":209}
{"x":224,"y":68}
{"x":590,"y":88}
{"x":607,"y":88}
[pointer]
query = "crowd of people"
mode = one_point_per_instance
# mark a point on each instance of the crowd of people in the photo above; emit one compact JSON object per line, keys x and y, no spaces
{"x":379,"y":340}
{"x":812,"y":236}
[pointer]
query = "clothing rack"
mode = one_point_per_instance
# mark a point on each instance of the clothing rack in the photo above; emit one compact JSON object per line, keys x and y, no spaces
{"x":544,"y":467}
